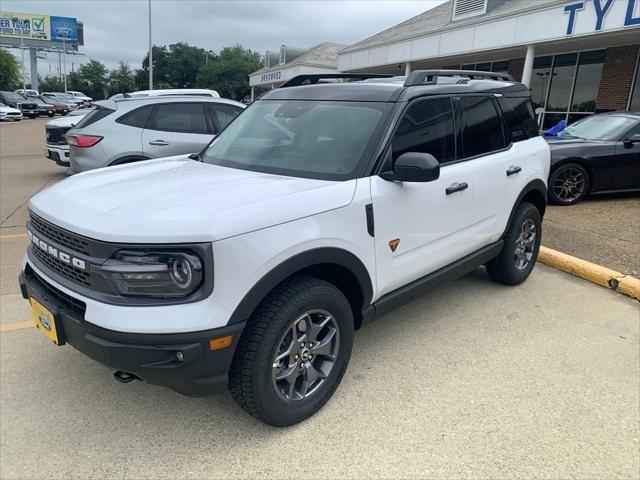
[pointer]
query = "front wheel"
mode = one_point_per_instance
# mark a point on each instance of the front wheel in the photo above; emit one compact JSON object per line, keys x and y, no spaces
{"x":568,"y":184}
{"x":293,"y":352}
{"x":521,"y":245}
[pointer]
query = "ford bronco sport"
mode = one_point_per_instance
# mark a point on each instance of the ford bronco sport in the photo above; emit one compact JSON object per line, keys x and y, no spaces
{"x":319,"y":208}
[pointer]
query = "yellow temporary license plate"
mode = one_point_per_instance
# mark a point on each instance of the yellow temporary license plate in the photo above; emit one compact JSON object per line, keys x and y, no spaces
{"x":45,"y":321}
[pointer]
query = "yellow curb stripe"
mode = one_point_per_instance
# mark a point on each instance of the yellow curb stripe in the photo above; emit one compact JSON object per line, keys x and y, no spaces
{"x":590,"y":271}
{"x":17,"y":235}
{"x":10,"y":327}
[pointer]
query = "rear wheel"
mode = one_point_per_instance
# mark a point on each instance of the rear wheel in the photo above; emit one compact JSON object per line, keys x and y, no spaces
{"x":521,"y":245}
{"x":293,"y":352}
{"x":568,"y":184}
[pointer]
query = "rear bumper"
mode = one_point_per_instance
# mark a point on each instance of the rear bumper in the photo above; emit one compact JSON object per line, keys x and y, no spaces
{"x":152,"y":357}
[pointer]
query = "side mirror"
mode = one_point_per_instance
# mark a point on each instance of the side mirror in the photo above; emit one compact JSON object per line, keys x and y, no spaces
{"x":632,"y":139}
{"x":414,"y":167}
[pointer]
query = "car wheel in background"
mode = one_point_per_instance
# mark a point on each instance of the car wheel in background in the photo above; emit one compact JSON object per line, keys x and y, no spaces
{"x":568,"y":184}
{"x":293,"y":352}
{"x":521,"y":245}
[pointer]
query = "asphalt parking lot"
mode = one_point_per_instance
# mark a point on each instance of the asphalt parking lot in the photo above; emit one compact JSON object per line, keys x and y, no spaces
{"x":473,"y":380}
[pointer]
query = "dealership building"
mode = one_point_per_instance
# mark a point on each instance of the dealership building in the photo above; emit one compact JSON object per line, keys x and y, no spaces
{"x":577,"y":57}
{"x":288,"y":62}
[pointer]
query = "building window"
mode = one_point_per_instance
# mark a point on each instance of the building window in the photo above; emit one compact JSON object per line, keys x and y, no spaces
{"x":587,"y":84}
{"x":500,"y":67}
{"x":634,"y":101}
{"x":566,"y":86}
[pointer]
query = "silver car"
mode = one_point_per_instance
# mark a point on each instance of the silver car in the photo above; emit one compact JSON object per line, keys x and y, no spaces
{"x":134,"y":129}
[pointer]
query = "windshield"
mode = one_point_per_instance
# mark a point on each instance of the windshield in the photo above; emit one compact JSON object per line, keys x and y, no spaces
{"x":13,"y":97}
{"x":313,"y":139}
{"x":599,"y":127}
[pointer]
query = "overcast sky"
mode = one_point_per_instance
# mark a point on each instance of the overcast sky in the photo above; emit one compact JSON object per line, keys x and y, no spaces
{"x":117,"y":30}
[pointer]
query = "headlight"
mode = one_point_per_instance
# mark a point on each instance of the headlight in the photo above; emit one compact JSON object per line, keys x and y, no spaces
{"x":153,"y":274}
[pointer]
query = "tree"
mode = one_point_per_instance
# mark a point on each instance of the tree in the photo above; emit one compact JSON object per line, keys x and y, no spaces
{"x":50,"y":83}
{"x":161,"y":69}
{"x":90,"y":79}
{"x":121,"y":80}
{"x":229,"y":71}
{"x":9,"y":71}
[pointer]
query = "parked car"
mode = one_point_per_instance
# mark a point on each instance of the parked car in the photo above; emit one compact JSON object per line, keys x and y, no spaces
{"x":318,"y":209}
{"x":27,"y":92}
{"x":44,"y":108}
{"x":80,"y":96}
{"x":131,"y":130}
{"x":28,"y":107}
{"x":199,"y":92}
{"x":9,"y":113}
{"x":65,"y":98}
{"x":56,"y":146}
{"x":598,"y":154}
{"x":58,"y":106}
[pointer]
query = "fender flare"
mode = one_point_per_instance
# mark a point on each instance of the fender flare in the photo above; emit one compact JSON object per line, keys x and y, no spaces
{"x":535,"y":185}
{"x":299,"y":262}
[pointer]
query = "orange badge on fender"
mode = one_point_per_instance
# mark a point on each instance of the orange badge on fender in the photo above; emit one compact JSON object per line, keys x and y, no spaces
{"x":393,"y":244}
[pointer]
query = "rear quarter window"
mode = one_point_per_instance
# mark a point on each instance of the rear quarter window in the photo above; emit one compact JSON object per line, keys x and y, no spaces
{"x":136,"y":118}
{"x":521,"y":120}
{"x":92,"y":117}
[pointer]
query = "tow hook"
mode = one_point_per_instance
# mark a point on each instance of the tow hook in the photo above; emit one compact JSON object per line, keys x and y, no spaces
{"x":124,"y":377}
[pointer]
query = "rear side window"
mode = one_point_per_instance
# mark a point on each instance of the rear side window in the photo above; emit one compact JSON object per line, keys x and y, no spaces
{"x":136,"y":118}
{"x":223,"y":114}
{"x":522,"y":120}
{"x":427,"y":127}
{"x":92,"y":117}
{"x":481,"y":127}
{"x":179,"y":117}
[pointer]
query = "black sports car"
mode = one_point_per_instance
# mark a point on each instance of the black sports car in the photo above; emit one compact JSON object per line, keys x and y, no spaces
{"x":599,"y":154}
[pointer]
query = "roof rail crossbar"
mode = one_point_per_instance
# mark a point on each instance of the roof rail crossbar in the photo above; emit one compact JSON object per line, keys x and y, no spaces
{"x":425,"y":77}
{"x":312,"y":79}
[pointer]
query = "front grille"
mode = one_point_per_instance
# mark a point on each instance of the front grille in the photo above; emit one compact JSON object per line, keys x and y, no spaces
{"x":28,"y":106}
{"x":60,"y":236}
{"x":64,"y":300}
{"x":55,"y":135}
{"x":79,"y":276}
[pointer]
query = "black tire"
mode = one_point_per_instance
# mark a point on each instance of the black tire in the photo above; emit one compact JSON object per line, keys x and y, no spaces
{"x":32,"y":116}
{"x":568,"y":184}
{"x":252,"y":377}
{"x":508,"y":267}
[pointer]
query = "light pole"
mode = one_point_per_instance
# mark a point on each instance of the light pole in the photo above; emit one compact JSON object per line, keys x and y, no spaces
{"x":24,"y":85}
{"x":64,"y":64}
{"x":150,"y":52}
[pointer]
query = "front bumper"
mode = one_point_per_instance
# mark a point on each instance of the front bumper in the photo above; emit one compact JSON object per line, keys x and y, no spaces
{"x":59,"y":154}
{"x":151,"y":357}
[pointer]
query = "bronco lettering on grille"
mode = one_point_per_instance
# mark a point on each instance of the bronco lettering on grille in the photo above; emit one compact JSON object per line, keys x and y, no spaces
{"x":54,"y":252}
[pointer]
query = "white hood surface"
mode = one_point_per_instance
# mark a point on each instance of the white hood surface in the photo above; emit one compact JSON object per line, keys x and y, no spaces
{"x":176,"y":199}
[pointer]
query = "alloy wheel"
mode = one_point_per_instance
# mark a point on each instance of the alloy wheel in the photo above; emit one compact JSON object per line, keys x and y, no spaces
{"x":569,"y":184}
{"x":525,"y":245}
{"x":306,"y":355}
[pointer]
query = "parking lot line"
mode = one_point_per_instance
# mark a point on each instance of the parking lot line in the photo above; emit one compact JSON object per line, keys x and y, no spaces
{"x":17,"y":235}
{"x":10,"y":327}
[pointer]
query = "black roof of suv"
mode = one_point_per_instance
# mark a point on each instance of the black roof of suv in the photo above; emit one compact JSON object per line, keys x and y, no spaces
{"x":387,"y":88}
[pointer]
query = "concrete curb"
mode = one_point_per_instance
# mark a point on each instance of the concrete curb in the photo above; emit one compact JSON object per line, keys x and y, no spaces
{"x":590,"y":271}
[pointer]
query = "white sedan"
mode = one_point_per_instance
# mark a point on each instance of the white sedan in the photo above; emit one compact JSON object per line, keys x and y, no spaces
{"x":8,"y":113}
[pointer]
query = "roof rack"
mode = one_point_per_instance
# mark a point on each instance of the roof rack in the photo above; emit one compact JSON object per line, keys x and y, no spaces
{"x":425,"y":77}
{"x":312,"y":79}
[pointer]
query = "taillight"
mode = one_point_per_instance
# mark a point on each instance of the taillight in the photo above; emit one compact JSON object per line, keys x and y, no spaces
{"x":83,"y":141}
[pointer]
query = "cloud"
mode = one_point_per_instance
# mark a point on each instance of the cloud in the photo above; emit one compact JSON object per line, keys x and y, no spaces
{"x":118,"y":30}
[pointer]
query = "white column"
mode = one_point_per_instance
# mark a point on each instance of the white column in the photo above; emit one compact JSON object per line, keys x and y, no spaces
{"x":407,"y":68}
{"x":253,"y":93}
{"x":528,"y":65}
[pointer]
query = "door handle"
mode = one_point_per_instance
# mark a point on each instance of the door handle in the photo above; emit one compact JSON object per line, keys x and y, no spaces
{"x":456,"y":187}
{"x":512,"y":170}
{"x":160,"y":143}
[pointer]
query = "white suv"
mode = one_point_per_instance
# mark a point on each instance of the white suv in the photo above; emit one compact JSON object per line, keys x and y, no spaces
{"x":316,"y":210}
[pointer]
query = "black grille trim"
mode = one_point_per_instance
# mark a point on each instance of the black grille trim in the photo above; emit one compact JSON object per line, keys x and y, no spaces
{"x":55,"y":135}
{"x":59,"y":235}
{"x":66,"y":301}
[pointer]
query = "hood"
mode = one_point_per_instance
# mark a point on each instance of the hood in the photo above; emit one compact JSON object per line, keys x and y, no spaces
{"x":569,"y":142}
{"x":9,"y":110}
{"x":176,"y":199}
{"x":65,"y":121}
